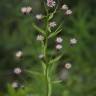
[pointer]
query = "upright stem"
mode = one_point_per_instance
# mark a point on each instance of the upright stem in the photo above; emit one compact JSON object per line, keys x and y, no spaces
{"x":47,"y":77}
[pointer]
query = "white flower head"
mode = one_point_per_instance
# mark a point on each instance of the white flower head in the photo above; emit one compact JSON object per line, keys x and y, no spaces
{"x":73,"y":41}
{"x":26,"y":10}
{"x":41,"y":56}
{"x":59,"y":40}
{"x":58,"y":46}
{"x":52,"y":24}
{"x":51,"y":3}
{"x":17,"y":70}
{"x":15,"y":85}
{"x":64,"y":7}
{"x":39,"y":16}
{"x":40,"y":38}
{"x":19,"y":54}
{"x":68,"y":65}
{"x":68,"y":12}
{"x":23,"y":10}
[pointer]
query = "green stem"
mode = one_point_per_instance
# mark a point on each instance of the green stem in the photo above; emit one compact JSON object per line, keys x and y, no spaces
{"x":47,"y":76}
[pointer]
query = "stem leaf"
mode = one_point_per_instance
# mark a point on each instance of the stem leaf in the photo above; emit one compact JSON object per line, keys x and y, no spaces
{"x":55,"y":59}
{"x":52,"y":14}
{"x":57,"y":81}
{"x":33,"y":72}
{"x":44,"y":67}
{"x":58,"y":30}
{"x":38,"y":29}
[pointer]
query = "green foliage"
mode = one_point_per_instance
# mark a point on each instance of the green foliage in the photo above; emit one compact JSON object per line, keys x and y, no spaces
{"x":16,"y":32}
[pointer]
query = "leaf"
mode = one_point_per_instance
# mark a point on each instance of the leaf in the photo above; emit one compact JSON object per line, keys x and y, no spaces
{"x":44,"y":67}
{"x":33,"y":72}
{"x":54,"y":34}
{"x":49,"y":29}
{"x":55,"y":59}
{"x":38,"y":29}
{"x":52,"y":14}
{"x":57,"y":81}
{"x":58,"y":30}
{"x":11,"y":91}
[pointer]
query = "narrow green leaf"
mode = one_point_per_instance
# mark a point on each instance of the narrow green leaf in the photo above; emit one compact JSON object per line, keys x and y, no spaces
{"x":58,"y":30}
{"x":52,"y":14}
{"x":38,"y":29}
{"x":33,"y":72}
{"x":55,"y":59}
{"x":57,"y":81}
{"x":54,"y":34}
{"x":44,"y":67}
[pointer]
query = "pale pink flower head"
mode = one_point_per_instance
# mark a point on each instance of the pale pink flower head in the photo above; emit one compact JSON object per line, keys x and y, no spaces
{"x":58,"y":46}
{"x":26,"y":10}
{"x":39,"y":16}
{"x":64,"y":7}
{"x":14,"y":85}
{"x":68,"y":12}
{"x":40,"y":38}
{"x":73,"y":41}
{"x":59,"y":40}
{"x":68,"y":65}
{"x":17,"y":70}
{"x":51,"y":3}
{"x":52,"y":24}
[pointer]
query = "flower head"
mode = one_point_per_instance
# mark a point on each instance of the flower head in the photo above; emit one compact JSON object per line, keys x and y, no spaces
{"x":73,"y":41}
{"x":51,"y":3}
{"x":52,"y":24}
{"x":68,"y":65}
{"x":29,"y":9}
{"x":64,"y":7}
{"x":17,"y":70}
{"x":41,"y":56}
{"x":39,"y":16}
{"x":58,"y":46}
{"x":23,"y":10}
{"x":19,"y":54}
{"x":59,"y":40}
{"x":15,"y":85}
{"x":26,"y":10}
{"x":68,"y":12}
{"x":40,"y":38}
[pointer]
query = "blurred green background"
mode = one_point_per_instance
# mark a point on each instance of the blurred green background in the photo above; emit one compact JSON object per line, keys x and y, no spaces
{"x":17,"y":33}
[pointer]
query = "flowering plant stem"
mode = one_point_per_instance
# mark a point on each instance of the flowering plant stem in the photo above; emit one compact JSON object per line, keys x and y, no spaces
{"x":47,"y":76}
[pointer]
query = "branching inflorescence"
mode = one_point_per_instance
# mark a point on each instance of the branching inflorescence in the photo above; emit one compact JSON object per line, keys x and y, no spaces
{"x":44,"y":36}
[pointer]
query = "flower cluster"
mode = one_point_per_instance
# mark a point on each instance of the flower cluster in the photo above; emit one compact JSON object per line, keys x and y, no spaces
{"x":17,"y":70}
{"x":66,"y":9}
{"x":26,"y":10}
{"x":46,"y":33}
{"x":59,"y":40}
